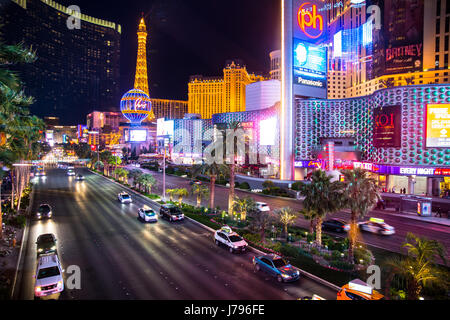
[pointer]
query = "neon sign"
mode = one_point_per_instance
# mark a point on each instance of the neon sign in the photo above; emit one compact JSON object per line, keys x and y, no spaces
{"x":309,"y":21}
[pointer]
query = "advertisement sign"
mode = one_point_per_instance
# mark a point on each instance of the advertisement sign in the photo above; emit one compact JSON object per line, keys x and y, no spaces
{"x":309,"y":21}
{"x":267,"y":132}
{"x":164,"y":128}
{"x":438,"y":125}
{"x":310,"y":64}
{"x":387,"y":127}
{"x":138,"y":135}
{"x":404,"y":36}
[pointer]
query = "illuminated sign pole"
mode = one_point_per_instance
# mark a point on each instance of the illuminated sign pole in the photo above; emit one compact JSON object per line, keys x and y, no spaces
{"x":287,"y":112}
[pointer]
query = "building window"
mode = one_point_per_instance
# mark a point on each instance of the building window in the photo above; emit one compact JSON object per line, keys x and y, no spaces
{"x":446,"y":44}
{"x":437,"y":44}
{"x":447,"y":5}
{"x":438,"y":8}
{"x":447,"y":24}
{"x":438,"y":26}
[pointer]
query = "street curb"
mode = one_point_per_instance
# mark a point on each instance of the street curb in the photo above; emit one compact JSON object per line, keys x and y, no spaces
{"x":23,"y":244}
{"x":307,"y":274}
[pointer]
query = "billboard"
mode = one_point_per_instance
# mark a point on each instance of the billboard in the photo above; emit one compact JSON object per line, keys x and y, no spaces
{"x":404,"y":36}
{"x":438,"y":126}
{"x":164,"y":127}
{"x":387,"y":127}
{"x":138,"y":135}
{"x":310,"y":64}
{"x":267,"y":132}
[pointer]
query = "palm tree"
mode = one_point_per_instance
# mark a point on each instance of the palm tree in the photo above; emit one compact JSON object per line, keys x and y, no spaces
{"x":135,"y":174}
{"x":171,"y":193}
{"x":147,"y":181}
{"x":286,"y":217}
{"x":261,"y":221}
{"x":243,"y":206}
{"x":309,"y":215}
{"x":361,"y":193}
{"x":124,"y":175}
{"x":321,"y":197}
{"x":232,"y":168}
{"x":181,"y":193}
{"x":201,"y":192}
{"x":98,"y":165}
{"x":104,"y":156}
{"x":213,"y":170}
{"x":419,"y":267}
{"x":114,"y":161}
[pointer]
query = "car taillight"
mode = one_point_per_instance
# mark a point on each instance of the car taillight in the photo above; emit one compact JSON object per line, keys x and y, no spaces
{"x":253,"y":260}
{"x":339,"y":293}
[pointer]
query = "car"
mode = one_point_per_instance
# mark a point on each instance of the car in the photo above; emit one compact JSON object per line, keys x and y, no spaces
{"x":262,"y":206}
{"x":124,"y":197}
{"x":44,"y":211}
{"x":358,"y":290}
{"x":48,"y":276}
{"x":225,"y":236}
{"x":70,"y":167}
{"x":171,"y":212}
{"x":79,"y":177}
{"x":375,"y":225}
{"x":198,"y":182}
{"x":41,"y":173}
{"x":46,"y":243}
{"x":336,"y":225}
{"x":70,"y":173}
{"x":147,"y":214}
{"x":277,"y":267}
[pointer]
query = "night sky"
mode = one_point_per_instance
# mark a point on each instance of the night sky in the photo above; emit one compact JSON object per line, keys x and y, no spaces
{"x":190,"y":37}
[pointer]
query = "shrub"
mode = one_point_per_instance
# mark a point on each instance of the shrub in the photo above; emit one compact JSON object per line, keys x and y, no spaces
{"x":289,"y":251}
{"x":170,"y":170}
{"x":153,"y":196}
{"x":296,"y":186}
{"x":236,"y":184}
{"x":341,"y":265}
{"x":314,"y":251}
{"x":310,"y":237}
{"x":268,"y":184}
{"x":252,"y":237}
{"x":275,"y":247}
{"x":245,"y":185}
{"x":362,"y":254}
{"x":336,"y":255}
{"x":18,"y":221}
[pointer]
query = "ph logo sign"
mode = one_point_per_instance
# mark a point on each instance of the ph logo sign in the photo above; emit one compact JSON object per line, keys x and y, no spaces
{"x":310,"y":21}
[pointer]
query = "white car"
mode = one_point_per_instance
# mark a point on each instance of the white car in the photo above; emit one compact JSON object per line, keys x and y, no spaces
{"x":70,"y":173}
{"x":49,"y":279}
{"x":225,"y":236}
{"x":262,"y":206}
{"x":147,"y":214}
{"x":378,"y":226}
{"x":124,"y":197}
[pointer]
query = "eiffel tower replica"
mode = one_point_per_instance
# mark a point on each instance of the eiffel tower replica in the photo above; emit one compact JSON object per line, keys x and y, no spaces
{"x":141,"y":78}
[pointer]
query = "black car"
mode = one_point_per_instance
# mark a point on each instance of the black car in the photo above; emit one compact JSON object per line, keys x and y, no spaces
{"x":44,"y":211}
{"x":79,"y":177}
{"x":335,"y":225}
{"x":171,"y":212}
{"x":46,"y":243}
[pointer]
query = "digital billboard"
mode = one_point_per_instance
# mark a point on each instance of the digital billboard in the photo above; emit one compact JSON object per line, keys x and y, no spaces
{"x":310,"y":64}
{"x":438,"y":126}
{"x":267,"y":132}
{"x":387,"y":127}
{"x":164,"y":127}
{"x":138,"y":135}
{"x":309,"y":21}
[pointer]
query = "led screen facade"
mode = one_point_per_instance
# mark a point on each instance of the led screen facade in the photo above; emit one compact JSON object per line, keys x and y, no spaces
{"x":310,"y":64}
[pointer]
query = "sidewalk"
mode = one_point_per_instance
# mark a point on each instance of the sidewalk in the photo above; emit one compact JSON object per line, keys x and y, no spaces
{"x":414,"y":216}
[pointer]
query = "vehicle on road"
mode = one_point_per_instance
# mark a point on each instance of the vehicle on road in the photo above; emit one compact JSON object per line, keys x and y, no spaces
{"x":46,"y":243}
{"x":277,"y":267}
{"x":48,"y":276}
{"x":70,"y":173}
{"x":171,"y":212}
{"x":41,"y":173}
{"x":262,"y":206}
{"x":44,"y":211}
{"x":336,"y":225}
{"x":195,"y":181}
{"x":225,"y":236}
{"x":147,"y":214}
{"x":80,"y":177}
{"x":358,"y":290}
{"x":375,"y":225}
{"x":124,"y":197}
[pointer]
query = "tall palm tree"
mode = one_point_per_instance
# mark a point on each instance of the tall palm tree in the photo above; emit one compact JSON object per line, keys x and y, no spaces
{"x":309,"y":215}
{"x":182,"y":192}
{"x":286,"y":216}
{"x":134,"y":174}
{"x":243,"y":206}
{"x":361,"y":193}
{"x":261,"y":221}
{"x":419,"y":267}
{"x":147,"y":181}
{"x":232,"y":168}
{"x":213,"y":170}
{"x":200,"y":192}
{"x":322,"y":197}
{"x":171,"y":193}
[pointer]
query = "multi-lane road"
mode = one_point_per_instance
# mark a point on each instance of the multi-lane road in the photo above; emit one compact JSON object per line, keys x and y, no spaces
{"x":402,"y":224}
{"x":122,"y":258}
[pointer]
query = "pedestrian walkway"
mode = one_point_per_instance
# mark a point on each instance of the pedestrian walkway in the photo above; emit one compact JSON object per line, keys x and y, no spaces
{"x":414,"y":216}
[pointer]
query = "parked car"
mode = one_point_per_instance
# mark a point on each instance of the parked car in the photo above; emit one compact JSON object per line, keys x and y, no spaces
{"x":277,"y":267}
{"x":198,"y":182}
{"x":225,"y":236}
{"x":48,"y":276}
{"x":262,"y":206}
{"x":336,"y":225}
{"x":375,"y":225}
{"x":44,"y":211}
{"x":171,"y":212}
{"x":124,"y":197}
{"x":147,"y":214}
{"x":46,"y":243}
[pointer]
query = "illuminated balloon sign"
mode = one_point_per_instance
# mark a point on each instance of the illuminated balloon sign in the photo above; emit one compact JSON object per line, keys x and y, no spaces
{"x":135,"y":105}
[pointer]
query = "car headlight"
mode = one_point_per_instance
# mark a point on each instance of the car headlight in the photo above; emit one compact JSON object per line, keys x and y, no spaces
{"x":38,"y":289}
{"x":53,"y":248}
{"x":39,"y":250}
{"x":60,"y":283}
{"x":284,"y":275}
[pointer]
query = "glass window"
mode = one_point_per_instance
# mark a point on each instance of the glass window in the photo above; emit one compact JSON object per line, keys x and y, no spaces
{"x":48,"y":272}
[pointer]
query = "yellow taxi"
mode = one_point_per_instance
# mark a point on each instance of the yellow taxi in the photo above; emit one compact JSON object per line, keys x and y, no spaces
{"x":358,"y":290}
